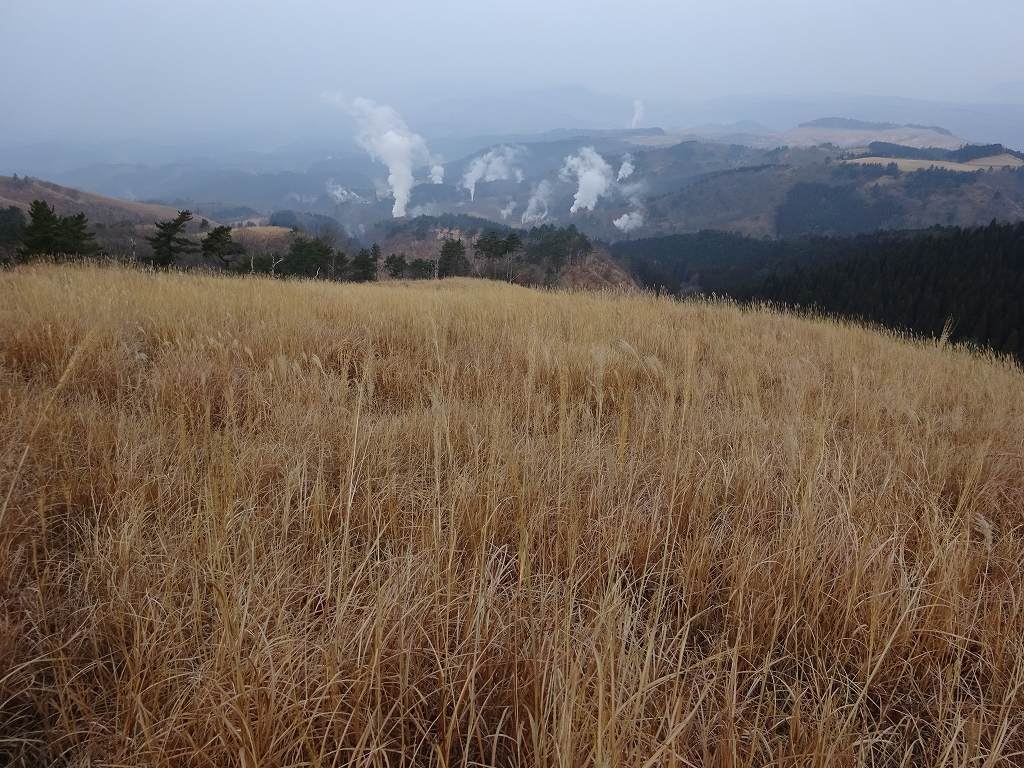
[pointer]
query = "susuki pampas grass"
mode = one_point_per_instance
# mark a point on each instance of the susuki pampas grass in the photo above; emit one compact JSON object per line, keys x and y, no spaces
{"x":460,"y":523}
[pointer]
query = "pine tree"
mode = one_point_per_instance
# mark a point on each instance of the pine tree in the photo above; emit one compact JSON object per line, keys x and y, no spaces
{"x":169,"y":242}
{"x":40,"y":235}
{"x":421,"y":269}
{"x":339,"y":261}
{"x":364,"y":265}
{"x":220,"y":245}
{"x":312,"y":258}
{"x":512,"y":245}
{"x":74,"y":237}
{"x":396,"y":265}
{"x":48,"y":233}
{"x":489,"y":246}
{"x":12,"y":226}
{"x":453,"y":261}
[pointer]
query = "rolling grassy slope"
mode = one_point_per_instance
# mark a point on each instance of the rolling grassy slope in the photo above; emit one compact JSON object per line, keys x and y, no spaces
{"x":66,"y":201}
{"x":249,"y":522}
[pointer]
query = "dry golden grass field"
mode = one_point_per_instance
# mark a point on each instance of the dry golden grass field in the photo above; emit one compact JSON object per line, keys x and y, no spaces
{"x":461,"y":523}
{"x":263,"y":239}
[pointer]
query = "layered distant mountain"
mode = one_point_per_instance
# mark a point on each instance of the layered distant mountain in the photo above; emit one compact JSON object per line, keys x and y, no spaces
{"x":831,"y":175}
{"x":648,"y":188}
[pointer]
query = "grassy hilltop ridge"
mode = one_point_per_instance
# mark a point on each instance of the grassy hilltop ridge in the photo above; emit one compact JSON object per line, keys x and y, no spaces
{"x":253,"y":522}
{"x":65,"y":200}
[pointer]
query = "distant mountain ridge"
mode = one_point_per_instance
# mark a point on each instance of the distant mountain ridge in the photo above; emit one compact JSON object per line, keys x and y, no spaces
{"x":838,"y":180}
{"x":845,"y":123}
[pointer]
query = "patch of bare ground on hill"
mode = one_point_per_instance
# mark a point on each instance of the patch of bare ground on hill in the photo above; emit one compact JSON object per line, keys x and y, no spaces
{"x":596,"y":272}
{"x":255,"y":523}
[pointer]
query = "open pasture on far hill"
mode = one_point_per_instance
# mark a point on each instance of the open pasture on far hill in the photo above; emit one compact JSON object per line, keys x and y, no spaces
{"x":908,"y":165}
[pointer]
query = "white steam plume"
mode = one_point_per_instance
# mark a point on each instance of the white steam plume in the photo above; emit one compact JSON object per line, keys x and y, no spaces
{"x":387,"y":139}
{"x":537,"y":208}
{"x":633,"y":192}
{"x":508,"y":209}
{"x":593,"y":176}
{"x":638,"y":114}
{"x":627,"y":168}
{"x":341,"y":194}
{"x":497,"y":164}
{"x":627,"y":222}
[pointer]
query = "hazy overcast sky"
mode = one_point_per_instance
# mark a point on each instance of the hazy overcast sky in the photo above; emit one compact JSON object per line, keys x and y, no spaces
{"x":138,"y":68}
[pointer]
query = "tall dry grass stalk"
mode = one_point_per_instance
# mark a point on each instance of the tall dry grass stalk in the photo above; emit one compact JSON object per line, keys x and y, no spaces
{"x":464,"y":523}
